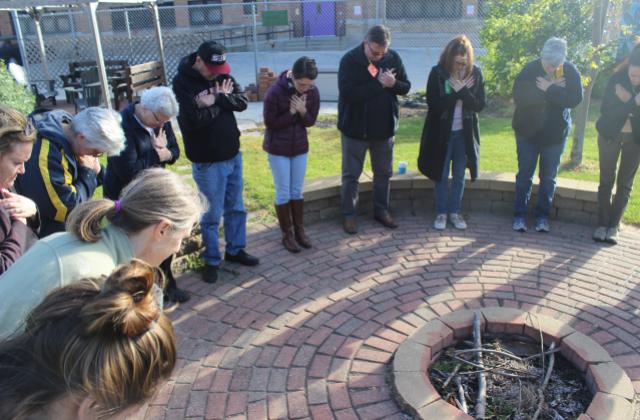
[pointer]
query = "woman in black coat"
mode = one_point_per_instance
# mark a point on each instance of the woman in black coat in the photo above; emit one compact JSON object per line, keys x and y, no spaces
{"x":451,"y":136}
{"x":618,"y":140}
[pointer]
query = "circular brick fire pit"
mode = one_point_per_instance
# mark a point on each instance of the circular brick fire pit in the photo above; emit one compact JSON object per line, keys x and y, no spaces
{"x":612,"y":388}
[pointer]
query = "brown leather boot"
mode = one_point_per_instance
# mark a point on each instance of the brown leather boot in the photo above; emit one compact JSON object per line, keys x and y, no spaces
{"x":283,"y":211}
{"x":297,"y":211}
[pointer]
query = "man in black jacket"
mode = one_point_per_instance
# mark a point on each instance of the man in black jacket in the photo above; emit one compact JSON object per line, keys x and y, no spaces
{"x":208,"y":97}
{"x":544,"y":92}
{"x":369,"y":79}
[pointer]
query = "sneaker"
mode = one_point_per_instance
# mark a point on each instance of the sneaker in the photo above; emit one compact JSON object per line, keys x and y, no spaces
{"x":600,"y":234}
{"x":519,"y":224}
{"x":457,"y":221}
{"x":440,"y":222}
{"x":612,"y":236}
{"x":542,"y":225}
{"x":210,"y":274}
{"x":242,"y":258}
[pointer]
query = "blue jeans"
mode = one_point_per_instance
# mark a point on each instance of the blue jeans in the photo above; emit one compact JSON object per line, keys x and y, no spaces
{"x":288,"y":176}
{"x":528,"y":154}
{"x":448,"y":200}
{"x":221,"y":183}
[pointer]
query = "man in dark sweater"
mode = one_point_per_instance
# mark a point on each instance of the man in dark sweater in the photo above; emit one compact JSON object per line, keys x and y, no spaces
{"x":544,"y":92}
{"x":369,"y":79}
{"x":208,"y":97}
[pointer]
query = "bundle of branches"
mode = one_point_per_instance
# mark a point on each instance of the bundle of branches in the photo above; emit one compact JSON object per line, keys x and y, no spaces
{"x":504,"y":378}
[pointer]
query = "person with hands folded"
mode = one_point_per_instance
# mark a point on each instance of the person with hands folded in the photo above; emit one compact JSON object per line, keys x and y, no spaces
{"x":208,"y":97}
{"x":64,"y":169}
{"x":544,"y":92}
{"x":290,"y":106}
{"x":618,"y":145}
{"x":451,"y":136}
{"x":18,"y":214}
{"x":370,"y":78}
{"x":150,"y":142}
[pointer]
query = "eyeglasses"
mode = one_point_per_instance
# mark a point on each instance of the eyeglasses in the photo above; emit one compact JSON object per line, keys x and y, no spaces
{"x":376,"y":53}
{"x":159,"y":121}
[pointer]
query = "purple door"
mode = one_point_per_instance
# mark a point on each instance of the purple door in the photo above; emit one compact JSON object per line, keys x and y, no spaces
{"x":319,"y":18}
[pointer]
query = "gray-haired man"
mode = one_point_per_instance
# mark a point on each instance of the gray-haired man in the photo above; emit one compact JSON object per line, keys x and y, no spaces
{"x":369,"y":79}
{"x":544,"y":92}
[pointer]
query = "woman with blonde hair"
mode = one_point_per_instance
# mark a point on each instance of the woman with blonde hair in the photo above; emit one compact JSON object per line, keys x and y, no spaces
{"x":96,"y":348}
{"x":17,"y":213}
{"x":451,"y":135}
{"x":155,"y":212}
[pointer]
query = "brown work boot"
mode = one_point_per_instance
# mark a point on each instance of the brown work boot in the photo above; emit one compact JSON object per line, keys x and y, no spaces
{"x":297,"y":214}
{"x":283,"y":211}
{"x":386,"y":220}
{"x":350,"y":225}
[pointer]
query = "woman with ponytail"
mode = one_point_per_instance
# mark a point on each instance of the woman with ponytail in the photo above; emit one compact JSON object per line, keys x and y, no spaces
{"x":96,"y":348}
{"x":155,"y":212}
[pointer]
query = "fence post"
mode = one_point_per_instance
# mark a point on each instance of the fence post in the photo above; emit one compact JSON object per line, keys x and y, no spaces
{"x":128,"y":27}
{"x":156,"y":21}
{"x":43,"y":53}
{"x":93,"y":23}
{"x":23,"y":50}
{"x":254,"y":10}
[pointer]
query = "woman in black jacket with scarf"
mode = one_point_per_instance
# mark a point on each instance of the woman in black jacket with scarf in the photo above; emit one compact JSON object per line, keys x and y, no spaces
{"x":451,"y":135}
{"x":618,"y":139}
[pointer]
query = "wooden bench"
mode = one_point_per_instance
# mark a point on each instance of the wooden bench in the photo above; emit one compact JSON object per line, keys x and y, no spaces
{"x":137,"y":78}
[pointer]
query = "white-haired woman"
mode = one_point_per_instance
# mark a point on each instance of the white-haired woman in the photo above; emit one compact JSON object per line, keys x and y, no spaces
{"x":150,"y":142}
{"x":544,"y":92}
{"x":63,"y":169}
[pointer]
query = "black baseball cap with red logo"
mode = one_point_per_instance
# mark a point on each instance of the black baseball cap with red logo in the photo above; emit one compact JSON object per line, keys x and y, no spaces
{"x":214,"y":56}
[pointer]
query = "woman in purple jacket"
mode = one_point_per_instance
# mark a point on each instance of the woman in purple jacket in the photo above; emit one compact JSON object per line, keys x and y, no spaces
{"x":290,"y":106}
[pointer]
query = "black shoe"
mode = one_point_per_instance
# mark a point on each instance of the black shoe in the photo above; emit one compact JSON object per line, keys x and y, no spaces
{"x":177,"y":295}
{"x":210,"y":274}
{"x":242,"y":258}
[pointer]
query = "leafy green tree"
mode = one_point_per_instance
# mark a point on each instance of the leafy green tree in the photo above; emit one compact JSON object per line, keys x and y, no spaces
{"x":514,"y":32}
{"x":13,"y":94}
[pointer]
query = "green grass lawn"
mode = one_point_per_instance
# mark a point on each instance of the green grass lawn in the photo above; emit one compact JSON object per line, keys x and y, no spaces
{"x":498,"y":153}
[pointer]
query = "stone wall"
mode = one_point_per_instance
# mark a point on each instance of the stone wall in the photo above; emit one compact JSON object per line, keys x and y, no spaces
{"x":412,"y":193}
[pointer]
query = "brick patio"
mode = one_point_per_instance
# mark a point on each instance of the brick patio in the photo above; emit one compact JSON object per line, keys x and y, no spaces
{"x":310,"y":335}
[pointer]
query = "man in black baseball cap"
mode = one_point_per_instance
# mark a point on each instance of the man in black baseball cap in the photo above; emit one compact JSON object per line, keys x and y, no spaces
{"x":213,"y":56}
{"x":208,"y":97}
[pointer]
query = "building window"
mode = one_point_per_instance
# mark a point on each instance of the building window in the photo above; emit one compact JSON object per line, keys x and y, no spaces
{"x":424,"y":9}
{"x":51,"y":23}
{"x":142,"y":18}
{"x":247,"y":8}
{"x":205,"y":12}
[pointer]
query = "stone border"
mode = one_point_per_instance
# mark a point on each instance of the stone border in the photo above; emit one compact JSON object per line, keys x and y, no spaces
{"x":413,"y":391}
{"x":412,"y":193}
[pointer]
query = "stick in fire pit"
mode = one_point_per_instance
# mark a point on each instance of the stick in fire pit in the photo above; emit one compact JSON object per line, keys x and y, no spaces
{"x":481,"y":400}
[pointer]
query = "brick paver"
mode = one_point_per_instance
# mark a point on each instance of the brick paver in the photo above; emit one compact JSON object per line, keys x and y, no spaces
{"x":310,"y":335}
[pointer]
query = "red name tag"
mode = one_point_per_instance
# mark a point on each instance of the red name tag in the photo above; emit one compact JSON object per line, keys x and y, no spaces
{"x":373,"y":70}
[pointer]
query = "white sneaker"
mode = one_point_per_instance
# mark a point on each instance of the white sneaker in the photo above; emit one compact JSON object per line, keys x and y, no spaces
{"x":457,"y":221}
{"x":600,"y":234}
{"x":612,"y":236}
{"x":440,"y":222}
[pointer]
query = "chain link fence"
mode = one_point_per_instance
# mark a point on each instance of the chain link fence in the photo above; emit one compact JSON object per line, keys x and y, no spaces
{"x":256,"y":33}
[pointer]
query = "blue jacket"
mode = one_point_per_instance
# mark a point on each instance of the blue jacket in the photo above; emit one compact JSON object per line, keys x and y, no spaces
{"x":53,"y":178}
{"x":138,"y":154}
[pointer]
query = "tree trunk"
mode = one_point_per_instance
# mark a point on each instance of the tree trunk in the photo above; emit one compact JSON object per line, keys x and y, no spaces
{"x":600,"y":8}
